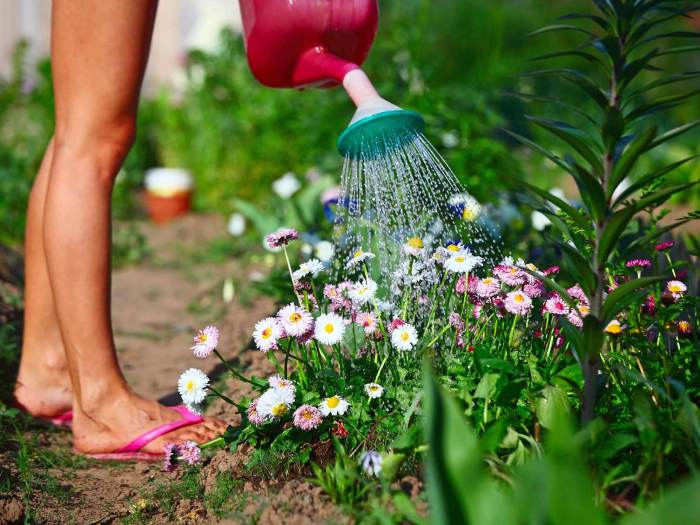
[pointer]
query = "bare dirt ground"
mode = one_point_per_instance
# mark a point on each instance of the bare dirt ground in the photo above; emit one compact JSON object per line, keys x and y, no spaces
{"x":157,"y":307}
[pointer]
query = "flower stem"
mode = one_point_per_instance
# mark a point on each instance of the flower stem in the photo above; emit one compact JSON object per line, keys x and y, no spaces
{"x":236,"y":372}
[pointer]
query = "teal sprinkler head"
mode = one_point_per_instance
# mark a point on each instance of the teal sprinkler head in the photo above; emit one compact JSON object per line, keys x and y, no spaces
{"x":378,"y":125}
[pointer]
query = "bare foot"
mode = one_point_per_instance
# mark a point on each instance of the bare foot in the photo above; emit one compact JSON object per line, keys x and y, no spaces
{"x":44,"y":389}
{"x":117,"y":422}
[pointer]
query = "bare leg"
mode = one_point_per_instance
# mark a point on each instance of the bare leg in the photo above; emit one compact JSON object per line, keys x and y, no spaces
{"x":43,"y":385}
{"x":99,"y":52}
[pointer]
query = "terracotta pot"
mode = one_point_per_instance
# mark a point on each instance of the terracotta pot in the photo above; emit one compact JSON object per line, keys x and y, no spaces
{"x":162,"y":209}
{"x":168,"y":193}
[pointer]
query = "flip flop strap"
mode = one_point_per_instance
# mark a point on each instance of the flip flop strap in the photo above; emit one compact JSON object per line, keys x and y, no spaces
{"x":188,"y":419}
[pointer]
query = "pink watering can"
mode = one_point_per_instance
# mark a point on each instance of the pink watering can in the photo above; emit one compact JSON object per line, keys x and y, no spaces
{"x":321,"y":43}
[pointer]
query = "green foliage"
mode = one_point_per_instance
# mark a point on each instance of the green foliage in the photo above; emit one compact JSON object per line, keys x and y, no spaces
{"x":342,"y":480}
{"x":619,"y":54}
{"x":553,"y":489}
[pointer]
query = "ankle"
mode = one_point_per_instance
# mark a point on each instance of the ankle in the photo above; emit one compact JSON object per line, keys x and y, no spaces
{"x":102,"y":400}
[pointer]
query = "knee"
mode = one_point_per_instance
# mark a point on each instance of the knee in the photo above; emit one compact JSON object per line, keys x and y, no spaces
{"x":104,"y":145}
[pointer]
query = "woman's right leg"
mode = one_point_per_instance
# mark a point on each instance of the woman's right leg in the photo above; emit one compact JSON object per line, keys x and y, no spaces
{"x":99,"y":53}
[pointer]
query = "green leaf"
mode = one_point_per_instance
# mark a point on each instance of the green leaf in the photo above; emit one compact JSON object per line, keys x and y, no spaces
{"x":615,"y":302}
{"x":454,"y":465}
{"x":631,"y":154}
{"x":567,"y":208}
{"x":590,"y":190}
{"x":572,"y":136}
{"x":579,"y":79}
{"x":540,"y":149}
{"x":488,"y":386}
{"x":649,"y":177}
{"x":659,"y":197}
{"x":674,"y":133}
{"x":571,"y":53}
{"x":641,"y":241}
{"x":613,"y":127}
{"x":548,"y":406}
{"x":560,"y":27}
{"x":679,"y":506}
{"x":592,"y":336}
{"x":580,"y":268}
{"x":659,"y":104}
{"x":611,"y":233}
{"x":600,"y":21}
{"x":264,"y":222}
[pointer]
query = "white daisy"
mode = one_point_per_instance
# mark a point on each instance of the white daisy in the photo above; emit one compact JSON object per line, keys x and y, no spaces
{"x":404,"y":337}
{"x":413,"y":246}
{"x":329,"y":329}
{"x":312,"y":268}
{"x":275,"y":402}
{"x":266,"y":333}
{"x":277,"y":381}
{"x":358,"y":257}
{"x":374,"y":390}
{"x":463,"y":262}
{"x":295,"y":320}
{"x":469,"y":208}
{"x":192,"y":386}
{"x":363,"y":291}
{"x":335,"y":405}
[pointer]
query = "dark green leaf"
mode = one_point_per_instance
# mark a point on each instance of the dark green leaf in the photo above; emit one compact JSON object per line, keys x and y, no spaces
{"x":649,"y":177}
{"x":580,"y":268}
{"x":579,"y":79}
{"x":560,"y":27}
{"x":679,"y":506}
{"x":611,"y":233}
{"x":533,"y":145}
{"x":674,"y":133}
{"x":550,"y":404}
{"x":615,"y":302}
{"x":631,"y":154}
{"x":574,"y":137}
{"x":567,"y":208}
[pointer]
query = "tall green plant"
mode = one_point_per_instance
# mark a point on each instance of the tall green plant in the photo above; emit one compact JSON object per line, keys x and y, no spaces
{"x":623,"y":44}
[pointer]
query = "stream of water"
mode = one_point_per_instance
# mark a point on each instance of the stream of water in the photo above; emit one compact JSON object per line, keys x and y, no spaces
{"x":398,"y":187}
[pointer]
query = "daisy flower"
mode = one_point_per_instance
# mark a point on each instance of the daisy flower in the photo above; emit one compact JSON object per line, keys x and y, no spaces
{"x":413,"y":246}
{"x":295,"y":320}
{"x":404,"y":337}
{"x":371,"y":463}
{"x":518,"y":303}
{"x":663,"y":246}
{"x":190,"y":453}
{"x":334,"y":406}
{"x":684,"y":328}
{"x":368,"y":321}
{"x":614,"y":327}
{"x":266,"y":333}
{"x":463,"y":262}
{"x":312,"y":268}
{"x":511,"y":275}
{"x":170,"y":457}
{"x":488,"y":287}
{"x":277,"y":381}
{"x":638,"y":263}
{"x":192,"y":386}
{"x":374,"y":390}
{"x":469,"y":208}
{"x":307,"y":417}
{"x":329,"y":329}
{"x":358,"y":257}
{"x":556,"y":306}
{"x":677,"y":288}
{"x":206,"y":341}
{"x":255,"y":417}
{"x":534,"y":289}
{"x":363,"y":291}
{"x":275,"y":402}
{"x":577,"y":293}
{"x":575,"y":319}
{"x":281,"y":237}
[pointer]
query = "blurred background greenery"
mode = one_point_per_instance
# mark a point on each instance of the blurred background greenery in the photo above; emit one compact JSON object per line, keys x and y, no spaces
{"x":456,"y":62}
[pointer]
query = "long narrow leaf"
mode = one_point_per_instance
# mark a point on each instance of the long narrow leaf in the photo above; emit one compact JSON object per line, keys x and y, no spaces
{"x":611,"y":234}
{"x":615,"y":302}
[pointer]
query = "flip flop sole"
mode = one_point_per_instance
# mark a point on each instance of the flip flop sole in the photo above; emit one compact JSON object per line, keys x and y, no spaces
{"x":132,"y":457}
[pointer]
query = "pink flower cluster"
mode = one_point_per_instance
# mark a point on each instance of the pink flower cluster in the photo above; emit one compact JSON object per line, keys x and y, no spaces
{"x":281,"y":237}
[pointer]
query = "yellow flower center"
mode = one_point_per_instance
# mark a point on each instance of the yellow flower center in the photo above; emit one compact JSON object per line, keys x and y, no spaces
{"x":684,"y":326}
{"x":468,"y":214}
{"x":374,"y":389}
{"x":675,"y":288}
{"x":333,"y":402}
{"x":583,"y":308}
{"x":415,"y":242}
{"x":405,"y":336}
{"x":358,"y":254}
{"x":460,"y":259}
{"x":613,"y":328}
{"x":329,"y":328}
{"x":267,"y":333}
{"x":190,"y":385}
{"x":518,"y":298}
{"x":488,"y":281}
{"x":202,"y":338}
{"x":453,"y":247}
{"x":279,"y":409}
{"x":513,"y":270}
{"x":295,"y":317}
{"x":306,"y":414}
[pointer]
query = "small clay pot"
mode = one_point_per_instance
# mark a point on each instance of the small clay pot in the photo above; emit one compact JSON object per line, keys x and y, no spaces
{"x":162,"y":209}
{"x":168,"y":193}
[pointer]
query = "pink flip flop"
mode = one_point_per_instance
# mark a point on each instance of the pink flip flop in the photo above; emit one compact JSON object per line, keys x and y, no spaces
{"x":132,"y":451}
{"x":62,"y":420}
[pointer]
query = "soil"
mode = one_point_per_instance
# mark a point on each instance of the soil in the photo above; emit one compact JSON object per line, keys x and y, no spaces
{"x":157,"y":306}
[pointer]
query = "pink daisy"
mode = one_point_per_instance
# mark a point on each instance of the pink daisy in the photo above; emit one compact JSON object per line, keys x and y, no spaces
{"x":663,"y":246}
{"x":488,"y":287}
{"x":190,"y":453}
{"x":295,"y":320}
{"x":395,"y":324}
{"x":510,"y":275}
{"x":556,"y":306}
{"x":170,"y":452}
{"x":205,"y":342}
{"x":368,"y":321}
{"x":456,"y":321}
{"x":577,"y":293}
{"x":534,"y":289}
{"x":518,"y":303}
{"x":253,"y":415}
{"x":307,"y":417}
{"x":281,"y":237}
{"x":552,"y":270}
{"x":638,"y":263}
